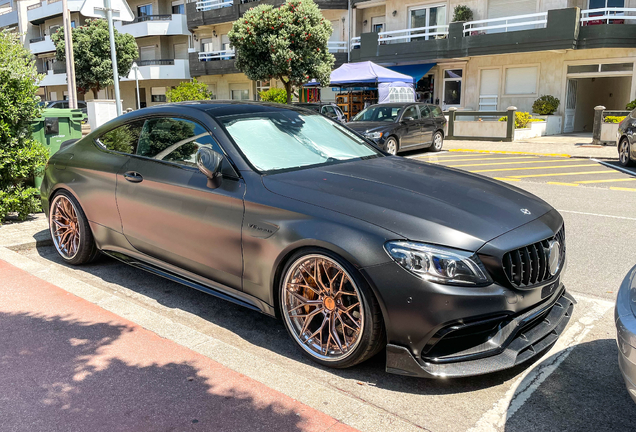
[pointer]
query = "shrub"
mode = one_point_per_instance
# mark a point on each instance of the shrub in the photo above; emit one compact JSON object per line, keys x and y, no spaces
{"x":277,"y":95}
{"x":545,"y":105}
{"x":613,"y":119}
{"x":521,"y":119}
{"x":462,"y":13}
{"x":189,"y":91}
{"x":20,"y":156}
{"x":632,"y":105}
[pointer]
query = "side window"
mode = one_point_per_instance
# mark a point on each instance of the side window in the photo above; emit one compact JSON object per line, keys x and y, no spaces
{"x":425,"y":111}
{"x":410,"y":112}
{"x":123,"y":138}
{"x":329,"y":111}
{"x":174,"y":140}
{"x":437,"y":112}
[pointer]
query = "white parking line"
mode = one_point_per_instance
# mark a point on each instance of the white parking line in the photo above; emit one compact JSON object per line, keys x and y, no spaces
{"x":531,"y":379}
{"x":609,"y":165}
{"x":597,"y":214}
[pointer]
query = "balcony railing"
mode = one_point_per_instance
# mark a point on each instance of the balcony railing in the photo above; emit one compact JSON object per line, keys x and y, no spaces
{"x":161,"y":62}
{"x":607,"y":16}
{"x":207,"y":5}
{"x":337,"y":46}
{"x":6,"y":11}
{"x":149,"y":18}
{"x":216,"y":55}
{"x":506,"y":24}
{"x":37,"y":39}
{"x":37,"y":5}
{"x":406,"y":35}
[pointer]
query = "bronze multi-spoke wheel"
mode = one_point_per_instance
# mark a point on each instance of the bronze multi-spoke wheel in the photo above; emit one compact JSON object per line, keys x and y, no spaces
{"x":329,"y":314}
{"x":624,"y":153}
{"x":70,"y":231}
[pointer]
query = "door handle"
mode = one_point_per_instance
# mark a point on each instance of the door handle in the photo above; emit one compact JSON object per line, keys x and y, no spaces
{"x":133,"y":177}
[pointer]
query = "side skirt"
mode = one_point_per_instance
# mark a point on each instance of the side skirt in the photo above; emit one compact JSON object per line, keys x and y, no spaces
{"x":216,"y":290}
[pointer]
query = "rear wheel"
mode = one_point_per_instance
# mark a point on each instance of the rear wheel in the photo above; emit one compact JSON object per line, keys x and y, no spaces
{"x":391,"y":146}
{"x":70,"y":231}
{"x":438,"y":141}
{"x":624,"y":153}
{"x":329,"y":311}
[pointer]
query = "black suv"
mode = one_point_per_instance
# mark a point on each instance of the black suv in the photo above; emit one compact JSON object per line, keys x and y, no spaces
{"x":402,"y":126}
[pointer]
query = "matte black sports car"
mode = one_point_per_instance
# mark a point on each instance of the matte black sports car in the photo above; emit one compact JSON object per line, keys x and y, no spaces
{"x":397,"y":127}
{"x":625,"y":140}
{"x":287,"y":212}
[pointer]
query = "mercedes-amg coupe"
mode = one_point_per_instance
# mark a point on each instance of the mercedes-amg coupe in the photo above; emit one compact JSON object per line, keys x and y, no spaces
{"x":289,"y":213}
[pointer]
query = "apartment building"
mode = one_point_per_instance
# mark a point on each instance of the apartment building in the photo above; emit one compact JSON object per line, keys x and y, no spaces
{"x":212,"y":60}
{"x":513,"y":51}
{"x":160,"y":29}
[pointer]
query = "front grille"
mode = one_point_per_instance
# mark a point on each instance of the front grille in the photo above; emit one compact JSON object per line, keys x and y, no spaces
{"x":528,"y":266}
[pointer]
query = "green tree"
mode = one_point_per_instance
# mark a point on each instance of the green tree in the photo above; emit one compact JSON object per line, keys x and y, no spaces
{"x":20,"y":156}
{"x":288,"y":43}
{"x":159,"y":134}
{"x":274,"y":95}
{"x":189,"y":91}
{"x":91,"y":50}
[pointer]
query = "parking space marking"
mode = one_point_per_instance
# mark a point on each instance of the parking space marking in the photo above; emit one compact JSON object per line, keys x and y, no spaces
{"x":597,"y":214}
{"x":505,"y":179}
{"x":513,"y":163}
{"x":563,"y":184}
{"x":563,"y":174}
{"x":534,"y":168}
{"x":525,"y":385}
{"x":615,"y":167}
{"x":605,"y":181}
{"x":622,"y":189}
{"x":461,"y":158}
{"x":511,"y":152}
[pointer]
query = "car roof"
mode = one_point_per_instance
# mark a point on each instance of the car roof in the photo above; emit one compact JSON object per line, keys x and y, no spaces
{"x":216,"y":108}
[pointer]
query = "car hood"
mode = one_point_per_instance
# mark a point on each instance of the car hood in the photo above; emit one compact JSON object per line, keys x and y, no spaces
{"x":416,"y":200}
{"x":366,"y":126}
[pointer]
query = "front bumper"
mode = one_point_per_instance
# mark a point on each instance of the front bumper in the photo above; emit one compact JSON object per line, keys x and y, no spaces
{"x":522,"y":338}
{"x":626,"y":332}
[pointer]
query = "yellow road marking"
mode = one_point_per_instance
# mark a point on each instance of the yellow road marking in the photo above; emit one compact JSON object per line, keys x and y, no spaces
{"x":563,"y":184}
{"x":533,"y":168}
{"x":513,"y":163}
{"x":510,"y":152}
{"x":505,"y":179}
{"x":564,"y":174}
{"x":606,"y":181}
{"x":495,"y":158}
{"x":622,"y":189}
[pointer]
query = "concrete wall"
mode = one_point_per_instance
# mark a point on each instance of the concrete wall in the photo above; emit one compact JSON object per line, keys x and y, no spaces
{"x":483,"y":129}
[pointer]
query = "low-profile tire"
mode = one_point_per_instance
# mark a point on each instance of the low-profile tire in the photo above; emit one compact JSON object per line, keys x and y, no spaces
{"x":329,"y":310}
{"x":70,"y":231}
{"x":392,"y":146}
{"x":624,"y":153}
{"x":438,"y":141}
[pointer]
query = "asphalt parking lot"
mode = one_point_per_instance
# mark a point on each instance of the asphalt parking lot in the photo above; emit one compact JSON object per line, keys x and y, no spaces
{"x":576,"y":386}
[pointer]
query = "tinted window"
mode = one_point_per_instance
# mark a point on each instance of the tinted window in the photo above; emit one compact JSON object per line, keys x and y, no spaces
{"x":378,"y":113}
{"x":410,"y":112}
{"x":329,"y":111}
{"x":81,"y":104}
{"x":174,"y":140}
{"x":425,"y":111}
{"x":124,"y":138}
{"x":437,"y":112}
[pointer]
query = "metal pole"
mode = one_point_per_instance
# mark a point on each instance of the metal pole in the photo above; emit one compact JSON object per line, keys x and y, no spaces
{"x":349,"y":31}
{"x":68,"y":48}
{"x":113,"y":55}
{"x":137,"y":85}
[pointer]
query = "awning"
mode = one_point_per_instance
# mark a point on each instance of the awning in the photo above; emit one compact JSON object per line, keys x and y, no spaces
{"x":417,"y":71}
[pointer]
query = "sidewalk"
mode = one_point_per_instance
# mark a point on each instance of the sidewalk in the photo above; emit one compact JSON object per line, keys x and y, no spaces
{"x":69,"y":365}
{"x":575,"y":145}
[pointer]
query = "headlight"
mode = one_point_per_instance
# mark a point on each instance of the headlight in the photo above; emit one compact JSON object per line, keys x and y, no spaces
{"x":439,"y":264}
{"x":373,"y":135}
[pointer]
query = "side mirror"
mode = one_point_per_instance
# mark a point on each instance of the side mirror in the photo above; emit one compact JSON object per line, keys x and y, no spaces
{"x":209,"y":163}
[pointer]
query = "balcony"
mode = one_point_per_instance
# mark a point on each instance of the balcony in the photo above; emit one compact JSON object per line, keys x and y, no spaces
{"x":39,"y":12}
{"x":552,"y":30}
{"x":55,"y":76}
{"x":608,"y":28}
{"x":41,"y":45}
{"x":155,"y":25}
{"x":163,"y":69}
{"x":8,"y":17}
{"x":213,"y":63}
{"x":210,"y":12}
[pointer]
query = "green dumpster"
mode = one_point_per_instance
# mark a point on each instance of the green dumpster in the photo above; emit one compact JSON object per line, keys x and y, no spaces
{"x":55,"y":126}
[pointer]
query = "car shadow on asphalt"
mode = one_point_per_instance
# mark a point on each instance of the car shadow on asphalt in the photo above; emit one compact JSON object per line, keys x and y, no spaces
{"x":266,"y":332}
{"x":585,"y":393}
{"x":60,"y":373}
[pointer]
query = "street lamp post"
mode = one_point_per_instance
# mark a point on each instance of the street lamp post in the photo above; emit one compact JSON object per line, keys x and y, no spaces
{"x":136,"y":69}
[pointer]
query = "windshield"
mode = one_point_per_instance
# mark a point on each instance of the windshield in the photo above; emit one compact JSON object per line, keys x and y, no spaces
{"x":281,"y":140}
{"x":379,"y":113}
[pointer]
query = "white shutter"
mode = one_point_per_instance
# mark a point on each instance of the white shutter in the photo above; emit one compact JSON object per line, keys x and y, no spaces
{"x":489,"y":90}
{"x":147,"y":53}
{"x":522,"y":80}
{"x":505,"y":8}
{"x":181,"y":51}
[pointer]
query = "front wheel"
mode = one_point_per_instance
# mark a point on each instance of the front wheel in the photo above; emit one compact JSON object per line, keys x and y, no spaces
{"x":624,"y":153}
{"x":329,"y":311}
{"x":391,"y":146}
{"x":438,"y":141}
{"x":70,"y":231}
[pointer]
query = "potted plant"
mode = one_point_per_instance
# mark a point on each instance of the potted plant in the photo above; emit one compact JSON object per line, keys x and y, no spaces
{"x":545,"y":107}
